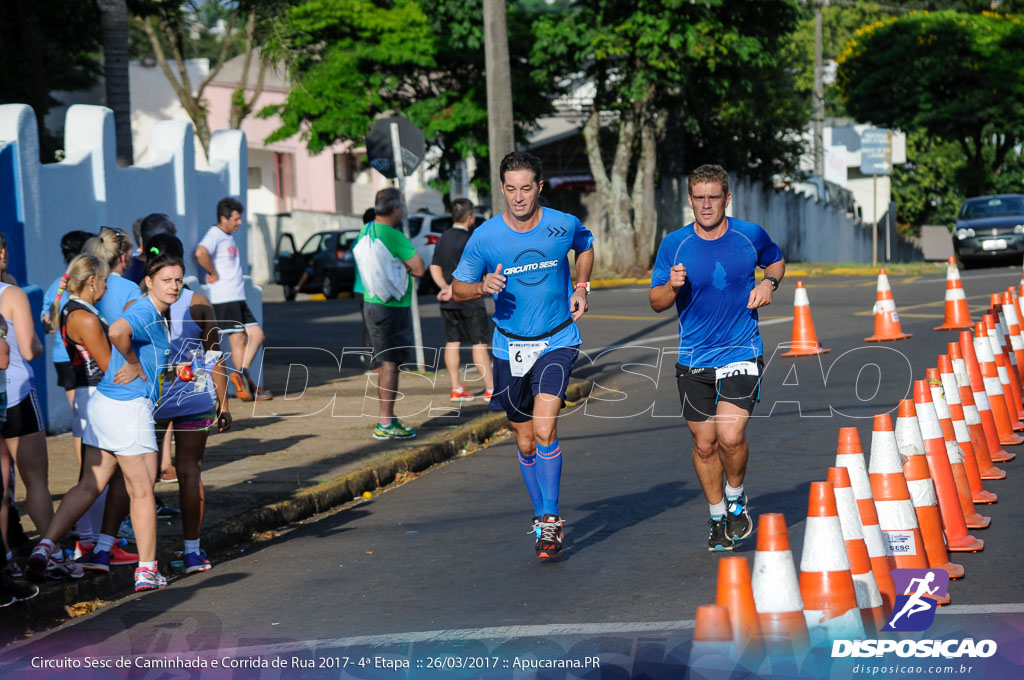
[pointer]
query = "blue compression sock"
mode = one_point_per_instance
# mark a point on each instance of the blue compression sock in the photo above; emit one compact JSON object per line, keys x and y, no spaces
{"x":549,"y":475}
{"x":528,"y":466}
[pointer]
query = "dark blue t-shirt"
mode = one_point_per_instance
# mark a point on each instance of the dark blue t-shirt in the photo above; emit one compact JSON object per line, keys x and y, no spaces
{"x":715,"y":326}
{"x":536,"y":268}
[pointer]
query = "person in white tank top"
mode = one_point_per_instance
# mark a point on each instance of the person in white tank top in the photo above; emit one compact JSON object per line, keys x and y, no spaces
{"x":24,"y":432}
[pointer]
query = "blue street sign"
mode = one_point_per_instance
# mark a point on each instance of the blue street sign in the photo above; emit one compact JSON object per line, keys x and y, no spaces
{"x":875,"y":151}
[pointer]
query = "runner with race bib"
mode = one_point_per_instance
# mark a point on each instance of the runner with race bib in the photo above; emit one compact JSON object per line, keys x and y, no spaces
{"x":706,"y":269}
{"x":521,"y":258}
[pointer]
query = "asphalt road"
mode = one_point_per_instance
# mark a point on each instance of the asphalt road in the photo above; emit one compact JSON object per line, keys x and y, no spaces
{"x":444,"y":566}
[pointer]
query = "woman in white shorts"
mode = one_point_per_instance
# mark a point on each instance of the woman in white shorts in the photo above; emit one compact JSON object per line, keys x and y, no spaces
{"x":119,"y":429}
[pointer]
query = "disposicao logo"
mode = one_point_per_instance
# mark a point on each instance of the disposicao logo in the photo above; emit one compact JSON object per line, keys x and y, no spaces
{"x":914,"y":611}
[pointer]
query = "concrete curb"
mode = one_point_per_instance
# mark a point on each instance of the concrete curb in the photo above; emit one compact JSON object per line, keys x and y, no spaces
{"x":55,"y":599}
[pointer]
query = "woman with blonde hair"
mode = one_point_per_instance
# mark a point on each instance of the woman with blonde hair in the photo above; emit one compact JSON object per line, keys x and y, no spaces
{"x":119,"y":430}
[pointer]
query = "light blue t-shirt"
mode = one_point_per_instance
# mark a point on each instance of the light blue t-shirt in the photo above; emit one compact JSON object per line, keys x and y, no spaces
{"x":60,"y":352}
{"x":120,"y":291}
{"x":151,"y":343}
{"x":535,"y":264}
{"x":715,"y":326}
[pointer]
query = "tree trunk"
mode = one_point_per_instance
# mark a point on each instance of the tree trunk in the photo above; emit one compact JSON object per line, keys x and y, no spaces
{"x":114,"y":18}
{"x":616,"y":238}
{"x":241,"y":102}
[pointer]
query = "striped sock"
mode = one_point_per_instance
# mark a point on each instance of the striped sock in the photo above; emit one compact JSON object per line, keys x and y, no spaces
{"x":549,"y":475}
{"x":527,"y":465}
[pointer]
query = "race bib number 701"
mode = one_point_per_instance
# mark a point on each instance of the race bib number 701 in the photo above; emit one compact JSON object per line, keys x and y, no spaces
{"x":736,"y":368}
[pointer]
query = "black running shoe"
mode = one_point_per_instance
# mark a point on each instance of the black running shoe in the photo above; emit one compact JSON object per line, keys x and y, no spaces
{"x":738,"y":522}
{"x":166,"y":511}
{"x":12,"y":591}
{"x":549,"y":541}
{"x":718,"y":539}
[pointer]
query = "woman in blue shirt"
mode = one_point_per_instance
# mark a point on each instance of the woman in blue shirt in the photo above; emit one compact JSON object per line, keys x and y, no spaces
{"x":120,"y":427}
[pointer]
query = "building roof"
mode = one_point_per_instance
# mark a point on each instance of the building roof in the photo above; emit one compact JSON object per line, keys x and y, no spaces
{"x":231,"y":73}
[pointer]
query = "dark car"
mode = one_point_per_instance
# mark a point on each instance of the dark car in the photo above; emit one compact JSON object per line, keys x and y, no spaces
{"x":989,"y":228}
{"x":328,"y":253}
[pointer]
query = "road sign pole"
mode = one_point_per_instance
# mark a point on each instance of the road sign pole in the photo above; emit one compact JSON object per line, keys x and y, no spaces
{"x":874,"y":226}
{"x":417,"y":332}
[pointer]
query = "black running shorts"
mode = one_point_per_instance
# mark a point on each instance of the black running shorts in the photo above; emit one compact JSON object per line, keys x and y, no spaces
{"x":700,"y":391}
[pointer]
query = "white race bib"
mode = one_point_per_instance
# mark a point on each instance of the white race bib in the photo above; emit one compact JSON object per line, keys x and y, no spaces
{"x":523,"y":354}
{"x":736,"y":368}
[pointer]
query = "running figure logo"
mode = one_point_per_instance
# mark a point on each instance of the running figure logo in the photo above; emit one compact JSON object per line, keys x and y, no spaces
{"x":914,"y":610}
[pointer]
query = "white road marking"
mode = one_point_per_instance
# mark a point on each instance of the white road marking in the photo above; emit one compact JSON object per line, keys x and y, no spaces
{"x":1008,"y":608}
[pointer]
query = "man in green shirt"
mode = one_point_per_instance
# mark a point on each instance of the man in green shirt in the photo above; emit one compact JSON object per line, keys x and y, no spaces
{"x":388,"y":318}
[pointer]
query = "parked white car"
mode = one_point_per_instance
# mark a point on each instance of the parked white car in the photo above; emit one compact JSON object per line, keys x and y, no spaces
{"x":425,"y":230}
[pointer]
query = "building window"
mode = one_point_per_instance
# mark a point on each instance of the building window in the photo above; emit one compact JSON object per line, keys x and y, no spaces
{"x":255,"y":177}
{"x":284,"y":181}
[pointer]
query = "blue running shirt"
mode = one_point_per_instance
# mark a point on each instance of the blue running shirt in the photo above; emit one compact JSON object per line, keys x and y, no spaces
{"x":715,"y":326}
{"x":535,"y":264}
{"x":150,"y":340}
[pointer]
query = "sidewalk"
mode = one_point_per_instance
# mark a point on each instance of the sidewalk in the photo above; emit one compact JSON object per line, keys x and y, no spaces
{"x":282,"y":461}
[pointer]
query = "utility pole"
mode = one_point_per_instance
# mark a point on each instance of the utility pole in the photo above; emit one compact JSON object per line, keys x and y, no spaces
{"x":819,"y":93}
{"x":500,"y":135}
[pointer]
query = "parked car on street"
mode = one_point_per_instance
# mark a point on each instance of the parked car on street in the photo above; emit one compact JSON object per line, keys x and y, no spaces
{"x":425,"y":231}
{"x":329,"y":253}
{"x":989,"y":228}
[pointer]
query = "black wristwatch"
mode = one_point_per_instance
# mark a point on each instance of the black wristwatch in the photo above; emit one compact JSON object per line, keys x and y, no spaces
{"x":775,"y":282}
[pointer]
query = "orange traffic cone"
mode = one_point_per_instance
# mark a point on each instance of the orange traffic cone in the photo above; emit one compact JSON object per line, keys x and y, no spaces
{"x":736,"y":594}
{"x":997,"y":400}
{"x":953,"y":524}
{"x":988,"y":422}
{"x":887,"y":321}
{"x":712,"y":649}
{"x":1007,"y":372}
{"x":972,"y":416}
{"x":780,"y":610}
{"x":869,"y":599}
{"x":957,"y":314}
{"x":850,"y":455}
{"x":805,"y":339}
{"x":892,"y":499}
{"x":954,"y":453}
{"x":826,"y":585}
{"x":1012,"y":312}
{"x":951,"y":392}
{"x":922,"y":491}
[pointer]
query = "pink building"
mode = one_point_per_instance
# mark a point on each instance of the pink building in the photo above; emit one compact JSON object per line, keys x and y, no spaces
{"x":284,"y":177}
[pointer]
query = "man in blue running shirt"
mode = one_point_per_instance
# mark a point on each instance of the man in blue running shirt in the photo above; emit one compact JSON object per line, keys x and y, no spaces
{"x":706,"y":269}
{"x":521,"y":258}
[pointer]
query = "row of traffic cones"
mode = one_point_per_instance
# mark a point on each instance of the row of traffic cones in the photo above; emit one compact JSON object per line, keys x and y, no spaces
{"x":887,"y":320}
{"x":911,"y":506}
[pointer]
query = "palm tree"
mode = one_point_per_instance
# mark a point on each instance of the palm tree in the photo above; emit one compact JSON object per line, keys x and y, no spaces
{"x":114,"y":17}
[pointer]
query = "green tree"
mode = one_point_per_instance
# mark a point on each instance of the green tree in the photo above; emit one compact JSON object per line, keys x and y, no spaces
{"x":45,"y":47}
{"x":958,"y":77}
{"x":169,"y":27}
{"x":353,"y":60}
{"x":676,"y":84}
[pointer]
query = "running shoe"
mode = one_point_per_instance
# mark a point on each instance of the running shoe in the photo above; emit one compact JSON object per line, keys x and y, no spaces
{"x":94,"y":560}
{"x":82,"y":549}
{"x":241,"y":389}
{"x":14,"y":591}
{"x":718,"y":539}
{"x":488,"y":395}
{"x":37,"y":563}
{"x":125,"y":530}
{"x":196,"y":562}
{"x":549,"y":539}
{"x":13,"y":569}
{"x":61,"y":566}
{"x":166,"y":511}
{"x":462,"y":394}
{"x":149,"y":579}
{"x":535,"y":529}
{"x":393,"y":431}
{"x":120,"y":557}
{"x":737,"y":520}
